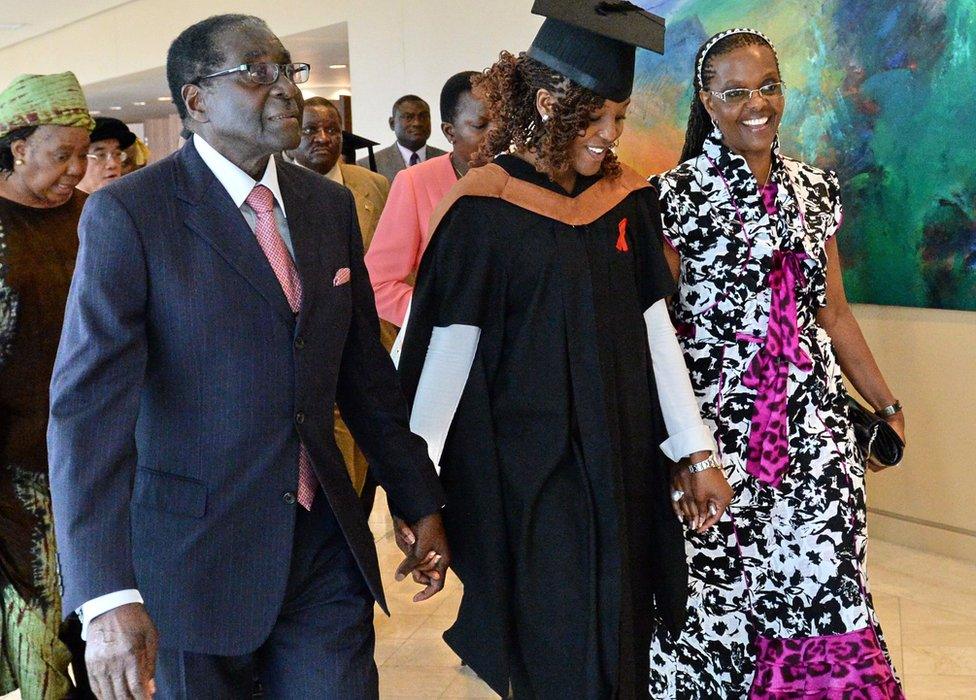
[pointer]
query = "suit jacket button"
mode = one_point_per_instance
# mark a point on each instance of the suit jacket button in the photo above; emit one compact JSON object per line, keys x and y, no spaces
{"x":299,"y":342}
{"x":288,"y":497}
{"x":300,"y":417}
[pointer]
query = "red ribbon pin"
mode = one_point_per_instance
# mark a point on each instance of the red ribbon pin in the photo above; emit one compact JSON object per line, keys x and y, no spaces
{"x":622,"y":238}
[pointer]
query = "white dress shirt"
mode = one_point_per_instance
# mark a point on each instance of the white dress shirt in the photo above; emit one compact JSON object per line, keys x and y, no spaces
{"x":238,"y":185}
{"x":406,"y":153}
{"x":335,"y":174}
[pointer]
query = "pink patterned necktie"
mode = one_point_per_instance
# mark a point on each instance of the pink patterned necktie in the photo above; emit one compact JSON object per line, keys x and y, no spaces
{"x":261,"y":200}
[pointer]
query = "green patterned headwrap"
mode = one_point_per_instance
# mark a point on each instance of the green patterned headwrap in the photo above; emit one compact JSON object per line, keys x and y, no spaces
{"x":35,"y":100}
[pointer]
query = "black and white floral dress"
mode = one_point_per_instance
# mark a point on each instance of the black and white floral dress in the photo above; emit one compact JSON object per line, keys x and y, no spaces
{"x":779,"y":585}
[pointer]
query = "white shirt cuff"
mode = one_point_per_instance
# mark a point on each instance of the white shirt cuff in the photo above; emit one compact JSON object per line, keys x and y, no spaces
{"x":687,"y":432}
{"x":446,"y":368}
{"x":688,"y":442}
{"x":102,"y":604}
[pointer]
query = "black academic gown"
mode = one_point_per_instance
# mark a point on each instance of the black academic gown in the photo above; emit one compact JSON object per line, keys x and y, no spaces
{"x":557,"y":492}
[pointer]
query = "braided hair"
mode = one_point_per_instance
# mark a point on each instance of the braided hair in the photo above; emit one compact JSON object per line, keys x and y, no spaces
{"x":699,"y":122}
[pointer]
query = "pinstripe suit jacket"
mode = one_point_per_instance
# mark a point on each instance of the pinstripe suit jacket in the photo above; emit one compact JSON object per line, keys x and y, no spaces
{"x":182,"y":388}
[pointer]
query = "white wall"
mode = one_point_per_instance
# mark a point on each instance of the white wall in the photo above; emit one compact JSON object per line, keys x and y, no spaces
{"x":398,"y":46}
{"x":395,"y":46}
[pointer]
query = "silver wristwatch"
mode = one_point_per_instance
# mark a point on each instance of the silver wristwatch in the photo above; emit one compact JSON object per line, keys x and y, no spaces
{"x":889,"y":411}
{"x":712,"y":462}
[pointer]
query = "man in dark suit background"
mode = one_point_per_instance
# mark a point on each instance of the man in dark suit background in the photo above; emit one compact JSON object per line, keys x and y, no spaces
{"x":219,"y":309}
{"x":411,"y":124}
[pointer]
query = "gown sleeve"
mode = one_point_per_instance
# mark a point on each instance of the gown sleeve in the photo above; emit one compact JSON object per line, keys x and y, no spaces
{"x":452,"y":297}
{"x":687,"y":433}
{"x":442,"y":380}
{"x":457,"y":269}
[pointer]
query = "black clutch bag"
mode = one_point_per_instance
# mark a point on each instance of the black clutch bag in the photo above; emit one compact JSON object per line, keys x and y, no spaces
{"x":877,"y":441}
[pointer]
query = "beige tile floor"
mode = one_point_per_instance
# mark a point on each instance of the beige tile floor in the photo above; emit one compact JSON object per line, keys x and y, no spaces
{"x":927,"y":606}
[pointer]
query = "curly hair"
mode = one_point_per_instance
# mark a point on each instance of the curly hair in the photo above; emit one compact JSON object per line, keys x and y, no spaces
{"x":509,"y":89}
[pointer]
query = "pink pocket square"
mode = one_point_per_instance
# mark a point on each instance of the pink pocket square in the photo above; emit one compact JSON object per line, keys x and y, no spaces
{"x":341,"y":277}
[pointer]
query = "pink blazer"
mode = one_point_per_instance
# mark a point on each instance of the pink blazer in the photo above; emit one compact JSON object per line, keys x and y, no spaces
{"x":401,"y":234}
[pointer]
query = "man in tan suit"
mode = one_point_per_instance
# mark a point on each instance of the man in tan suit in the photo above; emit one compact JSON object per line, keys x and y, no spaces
{"x":319,"y":150}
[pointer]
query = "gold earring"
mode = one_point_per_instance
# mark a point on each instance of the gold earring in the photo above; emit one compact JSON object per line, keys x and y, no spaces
{"x":18,"y":161}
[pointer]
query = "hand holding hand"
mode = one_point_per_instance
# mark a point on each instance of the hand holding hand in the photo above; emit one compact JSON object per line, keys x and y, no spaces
{"x":427,"y":554}
{"x":121,"y":654}
{"x":712,"y":495}
{"x":703,"y":496}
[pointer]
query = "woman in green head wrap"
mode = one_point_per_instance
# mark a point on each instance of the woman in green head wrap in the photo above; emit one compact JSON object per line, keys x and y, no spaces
{"x":44,"y":128}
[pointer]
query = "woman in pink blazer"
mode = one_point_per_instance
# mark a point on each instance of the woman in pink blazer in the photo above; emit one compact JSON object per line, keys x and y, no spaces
{"x":401,"y":234}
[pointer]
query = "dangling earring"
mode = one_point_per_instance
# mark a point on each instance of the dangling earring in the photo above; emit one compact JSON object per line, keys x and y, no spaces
{"x":714,"y":123}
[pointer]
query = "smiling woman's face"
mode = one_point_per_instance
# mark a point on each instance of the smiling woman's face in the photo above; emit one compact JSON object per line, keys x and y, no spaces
{"x":592,"y":145}
{"x":750,"y":127}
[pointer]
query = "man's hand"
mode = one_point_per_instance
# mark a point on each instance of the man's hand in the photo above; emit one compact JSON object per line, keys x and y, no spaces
{"x":121,"y":654}
{"x":427,"y":554}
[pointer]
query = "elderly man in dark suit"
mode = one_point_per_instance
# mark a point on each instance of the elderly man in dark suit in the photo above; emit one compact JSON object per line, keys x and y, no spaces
{"x":411,"y":124}
{"x":219,"y":309}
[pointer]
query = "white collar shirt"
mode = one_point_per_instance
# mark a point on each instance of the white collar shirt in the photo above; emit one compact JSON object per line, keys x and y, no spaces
{"x":239,"y":185}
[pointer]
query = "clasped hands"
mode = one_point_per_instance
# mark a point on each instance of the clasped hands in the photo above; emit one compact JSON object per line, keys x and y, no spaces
{"x":427,"y":555}
{"x":703,"y":496}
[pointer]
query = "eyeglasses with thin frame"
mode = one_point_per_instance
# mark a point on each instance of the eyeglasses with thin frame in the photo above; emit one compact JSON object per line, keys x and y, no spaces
{"x":330,"y":131}
{"x":738,"y":96}
{"x":105,"y":156}
{"x":265,"y":73}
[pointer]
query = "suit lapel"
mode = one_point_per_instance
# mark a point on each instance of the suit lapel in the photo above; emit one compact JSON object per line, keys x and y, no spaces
{"x":304,"y":240}
{"x":210,"y":213}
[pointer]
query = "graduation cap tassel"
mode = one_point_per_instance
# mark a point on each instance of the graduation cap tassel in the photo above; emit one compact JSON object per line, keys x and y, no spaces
{"x":607,"y":6}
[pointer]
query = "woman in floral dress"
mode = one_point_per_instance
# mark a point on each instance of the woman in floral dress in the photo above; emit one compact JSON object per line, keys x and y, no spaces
{"x":779,"y":604}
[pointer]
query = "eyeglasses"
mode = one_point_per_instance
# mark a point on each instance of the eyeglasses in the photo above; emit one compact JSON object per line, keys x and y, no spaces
{"x":265,"y":73}
{"x":105,"y":156}
{"x":313,"y":130}
{"x":738,"y":96}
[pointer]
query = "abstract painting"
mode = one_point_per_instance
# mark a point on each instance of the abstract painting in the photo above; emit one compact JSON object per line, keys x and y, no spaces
{"x":881,"y":91}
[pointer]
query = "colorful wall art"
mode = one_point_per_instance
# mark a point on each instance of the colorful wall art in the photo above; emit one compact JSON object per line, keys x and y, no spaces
{"x":883,"y":92}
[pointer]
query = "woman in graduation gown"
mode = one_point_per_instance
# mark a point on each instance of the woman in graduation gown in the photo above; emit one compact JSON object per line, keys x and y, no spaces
{"x":546,"y":377}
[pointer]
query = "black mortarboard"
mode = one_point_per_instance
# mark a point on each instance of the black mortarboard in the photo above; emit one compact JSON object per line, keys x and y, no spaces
{"x":352,"y":143}
{"x":111,"y":128}
{"x":594,"y":43}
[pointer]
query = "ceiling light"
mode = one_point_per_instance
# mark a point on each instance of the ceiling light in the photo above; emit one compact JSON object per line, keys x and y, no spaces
{"x":139,"y":104}
{"x":167,"y":98}
{"x":115,"y":109}
{"x":11,"y":26}
{"x":337,"y":66}
{"x":96,"y":112}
